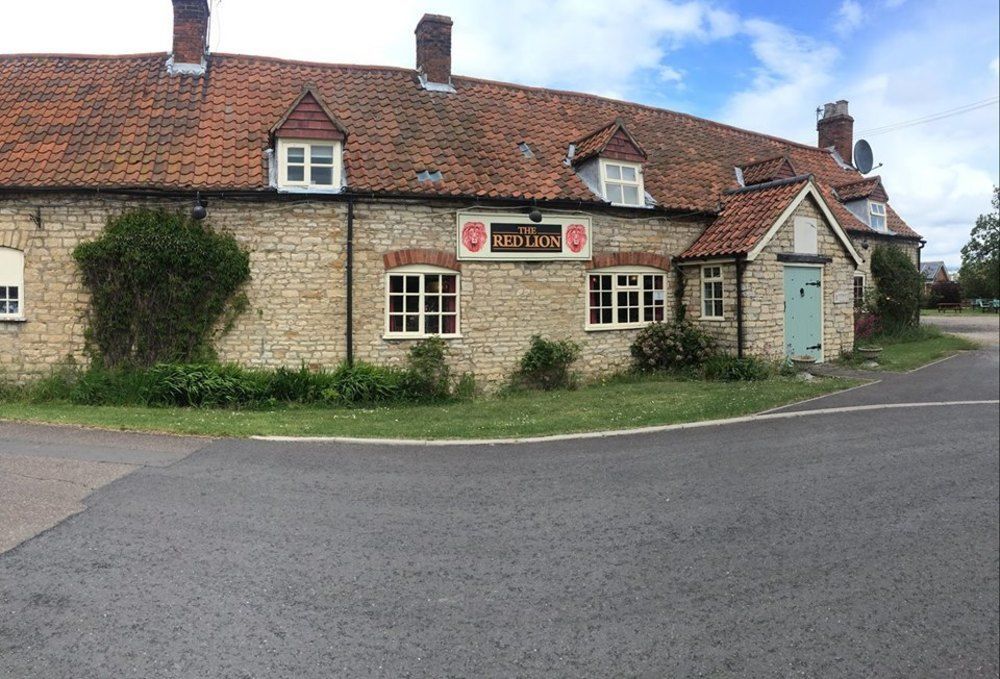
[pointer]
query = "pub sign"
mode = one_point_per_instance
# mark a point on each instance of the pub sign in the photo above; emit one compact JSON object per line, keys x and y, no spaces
{"x":514,"y":237}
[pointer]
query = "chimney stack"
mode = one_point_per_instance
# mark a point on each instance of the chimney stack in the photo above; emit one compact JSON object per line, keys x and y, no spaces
{"x":836,"y":129}
{"x":190,"y":37}
{"x":434,"y":52}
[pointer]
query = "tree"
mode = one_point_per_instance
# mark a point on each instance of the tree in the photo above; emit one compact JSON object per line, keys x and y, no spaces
{"x":980,"y":272}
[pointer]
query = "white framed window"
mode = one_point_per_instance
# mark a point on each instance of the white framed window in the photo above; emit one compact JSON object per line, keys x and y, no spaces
{"x":711,"y":292}
{"x":421,"y":301}
{"x":309,"y":164}
{"x":11,"y":284}
{"x":625,"y":297}
{"x":622,"y":183}
{"x":859,"y":290}
{"x":876,"y":212}
{"x":805,"y":236}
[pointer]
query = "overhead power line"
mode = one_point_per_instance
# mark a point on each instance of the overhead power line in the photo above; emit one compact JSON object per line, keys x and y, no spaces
{"x":941,"y":115}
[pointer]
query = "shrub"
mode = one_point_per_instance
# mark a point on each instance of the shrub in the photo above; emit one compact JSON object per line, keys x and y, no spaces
{"x":898,"y":288}
{"x":945,"y":292}
{"x":546,"y":364}
{"x":159,"y":283}
{"x":671,"y":346}
{"x":727,"y":368}
{"x":429,"y":375}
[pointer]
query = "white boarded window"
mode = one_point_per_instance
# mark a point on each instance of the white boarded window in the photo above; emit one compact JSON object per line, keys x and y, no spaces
{"x":805,"y":236}
{"x":625,"y":297}
{"x":309,"y":164}
{"x":623,"y":183}
{"x":711,"y":292}
{"x":421,"y":301}
{"x":877,"y":216}
{"x":11,"y":283}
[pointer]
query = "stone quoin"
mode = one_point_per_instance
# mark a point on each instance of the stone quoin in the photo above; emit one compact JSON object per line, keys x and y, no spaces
{"x":479,"y":211}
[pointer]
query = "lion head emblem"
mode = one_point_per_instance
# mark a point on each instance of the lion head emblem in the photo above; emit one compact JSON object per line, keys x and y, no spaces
{"x":576,"y":237}
{"x":473,"y":236}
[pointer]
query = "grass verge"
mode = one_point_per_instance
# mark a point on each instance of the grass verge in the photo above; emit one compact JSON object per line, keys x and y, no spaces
{"x":916,"y":348}
{"x":618,"y":404}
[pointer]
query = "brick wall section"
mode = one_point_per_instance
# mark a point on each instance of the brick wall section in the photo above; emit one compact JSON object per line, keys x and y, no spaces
{"x":190,"y":31}
{"x":434,"y":47}
{"x":619,"y":147}
{"x":602,"y":260}
{"x":441,"y":258}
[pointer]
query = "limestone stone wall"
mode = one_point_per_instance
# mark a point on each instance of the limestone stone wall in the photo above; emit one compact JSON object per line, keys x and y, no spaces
{"x":723,"y":330}
{"x":764,"y":319}
{"x":297,"y":292}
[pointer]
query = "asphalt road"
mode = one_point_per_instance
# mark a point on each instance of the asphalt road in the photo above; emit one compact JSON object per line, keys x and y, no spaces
{"x":855,"y":544}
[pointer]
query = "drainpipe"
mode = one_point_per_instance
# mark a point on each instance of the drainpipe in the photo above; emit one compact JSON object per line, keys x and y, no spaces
{"x":350,"y":281}
{"x":740,"y":264}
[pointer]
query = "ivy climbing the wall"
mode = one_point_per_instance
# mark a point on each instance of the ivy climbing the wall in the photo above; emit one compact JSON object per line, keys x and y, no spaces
{"x":160,"y":284}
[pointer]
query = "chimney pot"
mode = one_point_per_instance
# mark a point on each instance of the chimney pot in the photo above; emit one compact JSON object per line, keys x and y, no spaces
{"x":836,"y":129}
{"x":434,"y":50}
{"x":190,"y":35}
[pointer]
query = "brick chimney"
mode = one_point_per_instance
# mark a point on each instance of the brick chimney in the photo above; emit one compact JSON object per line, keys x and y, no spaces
{"x":434,"y":52}
{"x":190,"y":37}
{"x":836,"y":129}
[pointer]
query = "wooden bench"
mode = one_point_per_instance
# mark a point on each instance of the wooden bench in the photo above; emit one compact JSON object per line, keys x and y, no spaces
{"x":950,"y":306}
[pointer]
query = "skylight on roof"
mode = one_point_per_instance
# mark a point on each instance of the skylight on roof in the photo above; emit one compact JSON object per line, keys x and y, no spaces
{"x":526,"y":150}
{"x":429,"y":176}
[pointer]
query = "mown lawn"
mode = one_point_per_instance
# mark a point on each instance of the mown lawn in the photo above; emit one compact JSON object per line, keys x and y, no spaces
{"x":916,"y":349}
{"x":615,"y":405}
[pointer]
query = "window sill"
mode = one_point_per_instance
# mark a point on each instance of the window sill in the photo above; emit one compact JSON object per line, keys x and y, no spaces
{"x":712,"y":318}
{"x":621,"y":326}
{"x":13,"y":319}
{"x":305,"y":188}
{"x":388,"y":336}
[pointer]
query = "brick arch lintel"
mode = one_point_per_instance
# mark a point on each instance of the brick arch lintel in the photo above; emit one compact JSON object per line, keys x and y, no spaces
{"x":426,"y":256}
{"x":603,"y":260}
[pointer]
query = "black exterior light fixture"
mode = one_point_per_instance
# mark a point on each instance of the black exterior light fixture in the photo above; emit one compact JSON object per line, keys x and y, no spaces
{"x":535,"y":215}
{"x":864,"y":244}
{"x":198,"y":212}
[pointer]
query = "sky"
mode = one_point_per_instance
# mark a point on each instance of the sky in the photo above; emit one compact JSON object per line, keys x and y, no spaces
{"x":761,"y":65}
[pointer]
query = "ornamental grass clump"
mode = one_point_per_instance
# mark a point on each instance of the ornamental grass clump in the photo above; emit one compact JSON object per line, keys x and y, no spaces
{"x":671,"y":346}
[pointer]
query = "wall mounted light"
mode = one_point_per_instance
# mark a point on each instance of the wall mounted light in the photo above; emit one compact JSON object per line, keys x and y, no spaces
{"x":535,"y":215}
{"x":198,"y":212}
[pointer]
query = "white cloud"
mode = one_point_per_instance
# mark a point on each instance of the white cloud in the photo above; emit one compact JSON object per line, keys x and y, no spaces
{"x":849,"y":17}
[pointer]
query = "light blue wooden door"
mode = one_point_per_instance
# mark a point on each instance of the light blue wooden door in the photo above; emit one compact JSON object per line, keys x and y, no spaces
{"x":803,"y":311}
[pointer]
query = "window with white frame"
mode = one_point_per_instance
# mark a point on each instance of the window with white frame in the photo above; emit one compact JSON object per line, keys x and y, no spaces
{"x":11,"y":283}
{"x":622,"y":183}
{"x":877,"y":216}
{"x":623,"y":298}
{"x":309,"y":164}
{"x":711,"y":292}
{"x":859,"y":290}
{"x":421,"y":301}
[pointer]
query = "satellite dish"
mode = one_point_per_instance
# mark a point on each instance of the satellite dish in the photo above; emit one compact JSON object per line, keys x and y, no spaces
{"x":863,"y":156}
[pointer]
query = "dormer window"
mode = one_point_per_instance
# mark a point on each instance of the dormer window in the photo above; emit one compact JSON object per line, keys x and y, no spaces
{"x":876,"y":212}
{"x":308,"y":147}
{"x":622,"y":183}
{"x":308,"y":164}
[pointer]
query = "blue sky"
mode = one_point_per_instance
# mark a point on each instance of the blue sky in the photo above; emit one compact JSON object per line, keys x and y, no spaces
{"x":761,"y":65}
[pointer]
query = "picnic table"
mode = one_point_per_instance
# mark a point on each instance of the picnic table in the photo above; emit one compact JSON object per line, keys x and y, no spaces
{"x":950,"y":306}
{"x":985,"y":305}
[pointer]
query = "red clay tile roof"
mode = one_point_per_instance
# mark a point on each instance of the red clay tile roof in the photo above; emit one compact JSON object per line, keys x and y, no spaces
{"x":745,"y":217}
{"x":123,"y":122}
{"x":779,"y":167}
{"x":863,"y":188}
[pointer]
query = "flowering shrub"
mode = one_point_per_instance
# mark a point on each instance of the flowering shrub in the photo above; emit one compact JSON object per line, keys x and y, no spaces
{"x":866,"y":326}
{"x":669,"y":346}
